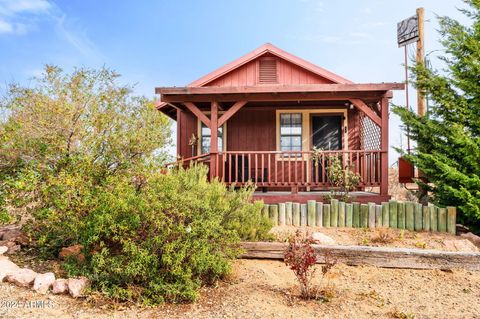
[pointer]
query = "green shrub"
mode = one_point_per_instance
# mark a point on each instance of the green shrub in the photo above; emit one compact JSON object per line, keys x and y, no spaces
{"x":152,"y":241}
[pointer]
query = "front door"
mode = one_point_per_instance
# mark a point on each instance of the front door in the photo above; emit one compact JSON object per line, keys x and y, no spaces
{"x":327,"y":132}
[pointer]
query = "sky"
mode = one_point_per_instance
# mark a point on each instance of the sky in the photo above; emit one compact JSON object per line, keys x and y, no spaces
{"x":172,"y":43}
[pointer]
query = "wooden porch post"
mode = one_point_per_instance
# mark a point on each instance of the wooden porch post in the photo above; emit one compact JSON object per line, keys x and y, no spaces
{"x":384,"y":148}
{"x":213,"y":139}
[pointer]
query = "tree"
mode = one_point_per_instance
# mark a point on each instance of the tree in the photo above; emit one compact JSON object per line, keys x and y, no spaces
{"x":448,"y":137}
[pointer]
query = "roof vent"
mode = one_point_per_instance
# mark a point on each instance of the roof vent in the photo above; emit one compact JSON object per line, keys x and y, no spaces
{"x":267,"y":71}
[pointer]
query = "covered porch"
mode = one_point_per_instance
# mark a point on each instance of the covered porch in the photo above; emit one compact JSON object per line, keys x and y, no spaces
{"x":360,"y":140}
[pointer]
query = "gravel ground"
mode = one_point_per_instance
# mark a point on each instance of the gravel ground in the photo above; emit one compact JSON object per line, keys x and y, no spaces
{"x":267,"y":289}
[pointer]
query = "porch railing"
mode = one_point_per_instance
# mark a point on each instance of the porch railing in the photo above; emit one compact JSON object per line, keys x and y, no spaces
{"x":293,"y":168}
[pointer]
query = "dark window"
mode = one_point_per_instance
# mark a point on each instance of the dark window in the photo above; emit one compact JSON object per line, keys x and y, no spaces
{"x":290,"y":132}
{"x":206,"y":137}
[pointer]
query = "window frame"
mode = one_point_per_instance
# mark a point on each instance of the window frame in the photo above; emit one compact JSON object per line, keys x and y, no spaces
{"x":291,"y":135}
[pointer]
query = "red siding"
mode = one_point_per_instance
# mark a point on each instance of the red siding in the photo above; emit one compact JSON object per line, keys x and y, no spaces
{"x":251,"y":130}
{"x":186,"y":126}
{"x":288,"y":73}
{"x":353,"y":129}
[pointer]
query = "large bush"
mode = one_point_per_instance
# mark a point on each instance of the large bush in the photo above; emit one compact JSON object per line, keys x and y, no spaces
{"x":83,"y":158}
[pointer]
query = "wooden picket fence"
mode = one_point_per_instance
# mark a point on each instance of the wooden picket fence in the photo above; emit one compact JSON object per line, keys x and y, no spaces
{"x":394,"y":214}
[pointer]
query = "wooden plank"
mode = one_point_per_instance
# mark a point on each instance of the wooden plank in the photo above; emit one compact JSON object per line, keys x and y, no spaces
{"x":367,"y":110}
{"x":199,"y":114}
{"x":265,"y":211}
{"x":311,"y":213}
{"x":426,"y":218}
{"x":326,"y":215}
{"x":349,"y":215}
{"x":289,"y":213}
{"x":401,"y":215}
{"x":319,"y":214}
{"x":452,"y":220}
{"x":282,"y":214}
{"x":303,"y":214}
{"x":364,"y":215}
{"x":410,"y":215}
{"x":301,"y":88}
{"x":371,"y":215}
{"x":341,"y":214}
{"x":230,"y":112}
{"x":378,"y":216}
{"x":385,"y":214}
{"x":393,"y":214}
{"x":418,"y":217}
{"x":433,"y":218}
{"x":296,"y":214}
{"x":273,"y":211}
{"x":442,"y":219}
{"x":356,"y":214}
{"x":334,"y":213}
{"x":386,"y":257}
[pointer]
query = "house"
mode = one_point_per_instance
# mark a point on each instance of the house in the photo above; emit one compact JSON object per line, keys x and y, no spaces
{"x":277,"y":121}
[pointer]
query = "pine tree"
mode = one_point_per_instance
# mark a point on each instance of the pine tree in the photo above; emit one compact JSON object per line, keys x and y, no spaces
{"x":448,"y":137}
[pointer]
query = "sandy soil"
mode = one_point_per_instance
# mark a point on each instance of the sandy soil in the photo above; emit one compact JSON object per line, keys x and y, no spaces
{"x":267,"y":289}
{"x":384,"y":237}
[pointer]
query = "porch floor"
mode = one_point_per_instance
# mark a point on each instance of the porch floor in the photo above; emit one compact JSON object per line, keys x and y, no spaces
{"x":275,"y":197}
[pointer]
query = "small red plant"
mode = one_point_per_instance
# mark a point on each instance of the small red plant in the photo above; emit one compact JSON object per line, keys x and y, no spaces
{"x":300,"y":257}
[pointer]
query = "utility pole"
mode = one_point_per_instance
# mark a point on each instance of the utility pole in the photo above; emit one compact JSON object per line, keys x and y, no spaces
{"x":420,"y":59}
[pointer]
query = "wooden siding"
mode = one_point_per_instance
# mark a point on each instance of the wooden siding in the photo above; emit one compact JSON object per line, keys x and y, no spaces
{"x":186,"y":126}
{"x":288,"y":73}
{"x":251,"y":130}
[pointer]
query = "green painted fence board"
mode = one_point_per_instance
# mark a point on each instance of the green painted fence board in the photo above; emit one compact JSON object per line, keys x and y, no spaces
{"x":410,"y":215}
{"x":334,"y":213}
{"x":364,"y":215}
{"x":386,"y":214}
{"x":349,"y":215}
{"x":426,"y":218}
{"x":319,"y":214}
{"x":296,"y":214}
{"x":433,"y":218}
{"x":303,"y":214}
{"x":371,"y":215}
{"x":341,"y":214}
{"x":289,"y":213}
{"x":311,"y":208}
{"x":442,"y":219}
{"x":378,"y":216}
{"x":356,"y":214}
{"x":393,"y":214}
{"x":418,"y":217}
{"x":265,"y":211}
{"x":281,"y":214}
{"x":326,"y":215}
{"x":452,"y":220}
{"x":274,"y":214}
{"x":401,"y":215}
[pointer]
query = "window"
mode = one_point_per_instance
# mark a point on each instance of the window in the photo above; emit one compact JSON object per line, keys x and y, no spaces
{"x":291,"y":132}
{"x":206,"y":137}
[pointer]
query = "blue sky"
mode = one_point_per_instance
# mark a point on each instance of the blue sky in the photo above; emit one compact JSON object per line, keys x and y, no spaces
{"x":166,"y":43}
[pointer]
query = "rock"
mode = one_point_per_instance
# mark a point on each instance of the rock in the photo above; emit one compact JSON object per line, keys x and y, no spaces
{"x":3,"y":249}
{"x":6,"y":267}
{"x":16,"y":235}
{"x":11,"y":246}
{"x":473,"y":238}
{"x":75,"y":250}
{"x":23,"y":277}
{"x":43,"y":282}
{"x":322,"y":239}
{"x":60,"y":286}
{"x":460,"y":245}
{"x":76,"y":286}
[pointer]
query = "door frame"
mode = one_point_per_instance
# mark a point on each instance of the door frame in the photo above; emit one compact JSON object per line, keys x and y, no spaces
{"x":343,"y":128}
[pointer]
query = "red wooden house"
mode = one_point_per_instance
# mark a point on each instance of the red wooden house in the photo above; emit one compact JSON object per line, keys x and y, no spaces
{"x":268,"y":110}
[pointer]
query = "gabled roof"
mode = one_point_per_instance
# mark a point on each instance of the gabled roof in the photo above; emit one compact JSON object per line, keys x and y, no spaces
{"x":271,"y":49}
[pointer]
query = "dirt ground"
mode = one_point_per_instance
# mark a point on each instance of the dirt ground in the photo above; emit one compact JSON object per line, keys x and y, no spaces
{"x":386,"y":237}
{"x":267,"y":289}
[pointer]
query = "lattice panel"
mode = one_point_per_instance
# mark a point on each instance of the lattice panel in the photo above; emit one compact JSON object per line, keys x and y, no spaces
{"x":370,"y":134}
